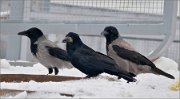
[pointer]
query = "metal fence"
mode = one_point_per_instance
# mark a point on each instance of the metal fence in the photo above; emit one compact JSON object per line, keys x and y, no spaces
{"x":85,"y":11}
{"x":140,"y":6}
{"x":133,"y":18}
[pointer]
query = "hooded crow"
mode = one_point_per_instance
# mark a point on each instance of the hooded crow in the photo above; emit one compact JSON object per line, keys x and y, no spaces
{"x":45,"y":51}
{"x":125,"y":55}
{"x":90,"y":62}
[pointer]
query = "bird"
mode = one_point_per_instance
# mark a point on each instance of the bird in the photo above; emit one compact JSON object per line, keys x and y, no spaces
{"x":90,"y":62}
{"x":125,"y":54}
{"x":46,"y":51}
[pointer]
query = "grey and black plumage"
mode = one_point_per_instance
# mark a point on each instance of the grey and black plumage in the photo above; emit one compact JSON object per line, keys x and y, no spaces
{"x":90,"y":62}
{"x":46,"y":51}
{"x":125,"y":55}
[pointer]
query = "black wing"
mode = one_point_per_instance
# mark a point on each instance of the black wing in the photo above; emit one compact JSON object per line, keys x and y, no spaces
{"x":87,"y":58}
{"x":101,"y":62}
{"x":84,"y":60}
{"x":58,"y":53}
{"x":132,"y":56}
{"x":97,"y":58}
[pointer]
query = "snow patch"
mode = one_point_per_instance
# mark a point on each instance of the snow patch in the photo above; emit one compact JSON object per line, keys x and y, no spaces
{"x":4,"y":63}
{"x":21,"y":95}
{"x":166,"y":64}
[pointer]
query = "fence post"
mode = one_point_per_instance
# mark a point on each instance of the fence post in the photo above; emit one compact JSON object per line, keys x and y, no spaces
{"x":169,"y":19}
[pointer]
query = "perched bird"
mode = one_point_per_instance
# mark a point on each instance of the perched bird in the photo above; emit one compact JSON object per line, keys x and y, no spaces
{"x":125,"y":55}
{"x":46,"y":52}
{"x":90,"y":62}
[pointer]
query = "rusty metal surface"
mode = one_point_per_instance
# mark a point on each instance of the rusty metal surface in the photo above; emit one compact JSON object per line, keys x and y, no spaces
{"x":37,"y":78}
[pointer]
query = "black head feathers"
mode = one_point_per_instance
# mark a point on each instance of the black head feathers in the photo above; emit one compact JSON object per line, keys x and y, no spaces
{"x":33,"y":33}
{"x":72,"y":37}
{"x":110,"y":33}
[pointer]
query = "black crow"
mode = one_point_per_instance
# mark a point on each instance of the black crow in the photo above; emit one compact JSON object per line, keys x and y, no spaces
{"x":46,"y":52}
{"x":125,"y":55}
{"x":90,"y":62}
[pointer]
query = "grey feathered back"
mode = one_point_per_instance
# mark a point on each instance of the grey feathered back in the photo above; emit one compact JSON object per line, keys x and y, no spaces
{"x":125,"y":64}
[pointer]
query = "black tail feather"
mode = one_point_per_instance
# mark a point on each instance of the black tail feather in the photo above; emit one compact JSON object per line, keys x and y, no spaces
{"x":122,"y":74}
{"x":160,"y":72}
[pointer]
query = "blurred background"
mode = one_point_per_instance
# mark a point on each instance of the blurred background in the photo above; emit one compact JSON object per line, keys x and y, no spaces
{"x":151,"y":26}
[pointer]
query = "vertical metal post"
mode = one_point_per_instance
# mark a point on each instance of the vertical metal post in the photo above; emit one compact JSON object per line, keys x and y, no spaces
{"x":170,"y":18}
{"x":23,"y":48}
{"x":24,"y":40}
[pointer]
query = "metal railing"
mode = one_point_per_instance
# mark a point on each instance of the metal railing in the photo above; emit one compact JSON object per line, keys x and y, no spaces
{"x":89,"y":17}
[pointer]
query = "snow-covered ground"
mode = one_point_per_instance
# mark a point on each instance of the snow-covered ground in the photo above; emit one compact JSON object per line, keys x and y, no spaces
{"x":104,"y":86}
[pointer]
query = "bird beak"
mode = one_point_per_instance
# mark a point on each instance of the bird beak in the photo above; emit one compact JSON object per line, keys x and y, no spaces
{"x":67,"y":39}
{"x":104,"y":33}
{"x":23,"y":33}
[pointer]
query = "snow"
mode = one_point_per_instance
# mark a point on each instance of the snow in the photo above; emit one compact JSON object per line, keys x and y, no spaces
{"x":4,"y":63}
{"x":167,"y":65}
{"x":103,"y":86}
{"x":21,"y":95}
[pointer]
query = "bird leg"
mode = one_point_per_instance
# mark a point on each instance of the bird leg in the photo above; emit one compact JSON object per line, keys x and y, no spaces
{"x":50,"y":70}
{"x":56,"y":70}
